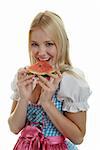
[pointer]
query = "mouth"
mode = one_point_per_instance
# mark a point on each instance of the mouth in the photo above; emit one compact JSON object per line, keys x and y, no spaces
{"x":44,"y":59}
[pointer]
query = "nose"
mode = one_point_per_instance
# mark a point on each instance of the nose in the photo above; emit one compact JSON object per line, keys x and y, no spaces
{"x":42,"y":50}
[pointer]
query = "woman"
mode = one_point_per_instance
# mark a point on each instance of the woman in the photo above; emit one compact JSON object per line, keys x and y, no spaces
{"x":50,"y":113}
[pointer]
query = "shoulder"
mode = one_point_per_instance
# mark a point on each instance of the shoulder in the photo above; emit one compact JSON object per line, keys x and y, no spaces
{"x":74,"y":91}
{"x":14,"y":87}
{"x":15,"y":79}
{"x":74,"y":73}
{"x":75,"y":78}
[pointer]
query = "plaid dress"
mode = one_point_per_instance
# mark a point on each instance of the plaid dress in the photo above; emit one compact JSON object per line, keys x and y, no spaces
{"x":39,"y":131}
{"x":38,"y":118}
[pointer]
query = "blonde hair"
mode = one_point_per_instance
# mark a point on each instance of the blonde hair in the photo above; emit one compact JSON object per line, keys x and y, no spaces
{"x":52,"y":24}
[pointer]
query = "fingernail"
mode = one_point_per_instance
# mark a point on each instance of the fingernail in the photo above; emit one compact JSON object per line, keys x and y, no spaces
{"x":33,"y":78}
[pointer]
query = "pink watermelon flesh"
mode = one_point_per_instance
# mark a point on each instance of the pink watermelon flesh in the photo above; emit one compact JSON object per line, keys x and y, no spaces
{"x":41,"y":67}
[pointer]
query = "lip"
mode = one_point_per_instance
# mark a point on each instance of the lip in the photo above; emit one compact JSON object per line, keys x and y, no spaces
{"x":46,"y":59}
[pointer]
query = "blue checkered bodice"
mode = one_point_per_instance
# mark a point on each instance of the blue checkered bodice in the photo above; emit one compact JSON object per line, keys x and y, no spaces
{"x":37,"y":117}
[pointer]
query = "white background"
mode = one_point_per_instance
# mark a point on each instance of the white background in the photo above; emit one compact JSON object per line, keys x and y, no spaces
{"x":81,"y":19}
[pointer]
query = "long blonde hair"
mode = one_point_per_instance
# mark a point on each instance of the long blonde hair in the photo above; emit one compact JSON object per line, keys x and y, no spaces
{"x":53,"y":25}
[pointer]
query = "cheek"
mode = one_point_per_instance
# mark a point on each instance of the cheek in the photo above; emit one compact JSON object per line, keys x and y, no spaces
{"x":33,"y":52}
{"x":54,"y":53}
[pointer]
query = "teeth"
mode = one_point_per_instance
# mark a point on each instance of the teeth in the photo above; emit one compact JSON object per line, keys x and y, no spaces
{"x":43,"y":59}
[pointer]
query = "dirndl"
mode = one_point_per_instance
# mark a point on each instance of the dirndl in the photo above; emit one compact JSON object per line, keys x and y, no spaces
{"x":31,"y":138}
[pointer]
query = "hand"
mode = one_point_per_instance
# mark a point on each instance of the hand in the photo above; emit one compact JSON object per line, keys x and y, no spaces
{"x":26,"y":84}
{"x":48,"y":86}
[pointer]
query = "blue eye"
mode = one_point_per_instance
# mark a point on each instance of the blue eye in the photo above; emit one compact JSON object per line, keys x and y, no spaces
{"x":49,"y":44}
{"x":34,"y":45}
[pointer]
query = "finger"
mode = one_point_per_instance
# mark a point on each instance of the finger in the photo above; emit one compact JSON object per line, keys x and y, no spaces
{"x":21,"y":73}
{"x":26,"y":78}
{"x":44,"y":81}
{"x":35,"y":82}
{"x":58,"y":79}
{"x":59,"y":73}
{"x":26,"y":67}
{"x":55,"y":74}
{"x":24,"y":83}
{"x":51,"y":80}
{"x":52,"y":75}
{"x":43,"y":85}
{"x":21,"y":70}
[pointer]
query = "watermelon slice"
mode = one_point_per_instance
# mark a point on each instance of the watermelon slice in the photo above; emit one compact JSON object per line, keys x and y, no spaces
{"x":41,"y":68}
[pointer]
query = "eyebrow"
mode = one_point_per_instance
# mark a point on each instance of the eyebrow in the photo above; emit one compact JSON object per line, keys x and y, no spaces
{"x":44,"y":41}
{"x":33,"y":41}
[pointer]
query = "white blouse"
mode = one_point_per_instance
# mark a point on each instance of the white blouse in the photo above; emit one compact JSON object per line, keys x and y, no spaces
{"x":74,"y":92}
{"x":15,"y":95}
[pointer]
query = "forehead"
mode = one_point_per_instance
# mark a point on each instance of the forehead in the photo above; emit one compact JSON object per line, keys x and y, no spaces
{"x":37,"y":34}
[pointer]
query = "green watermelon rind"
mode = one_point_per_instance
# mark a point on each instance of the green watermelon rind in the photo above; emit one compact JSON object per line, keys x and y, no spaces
{"x":40,"y":73}
{"x":51,"y":70}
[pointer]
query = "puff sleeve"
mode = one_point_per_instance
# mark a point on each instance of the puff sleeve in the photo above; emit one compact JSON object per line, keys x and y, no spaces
{"x":15,"y":95}
{"x":74,"y":92}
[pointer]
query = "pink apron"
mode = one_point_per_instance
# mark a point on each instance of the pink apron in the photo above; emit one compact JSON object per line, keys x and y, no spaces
{"x":31,"y":138}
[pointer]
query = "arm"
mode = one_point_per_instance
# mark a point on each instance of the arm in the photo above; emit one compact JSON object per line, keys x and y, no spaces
{"x":71,"y":125}
{"x":17,"y":117}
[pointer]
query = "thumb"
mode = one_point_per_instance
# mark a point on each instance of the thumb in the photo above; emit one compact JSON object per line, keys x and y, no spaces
{"x":34,"y":83}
